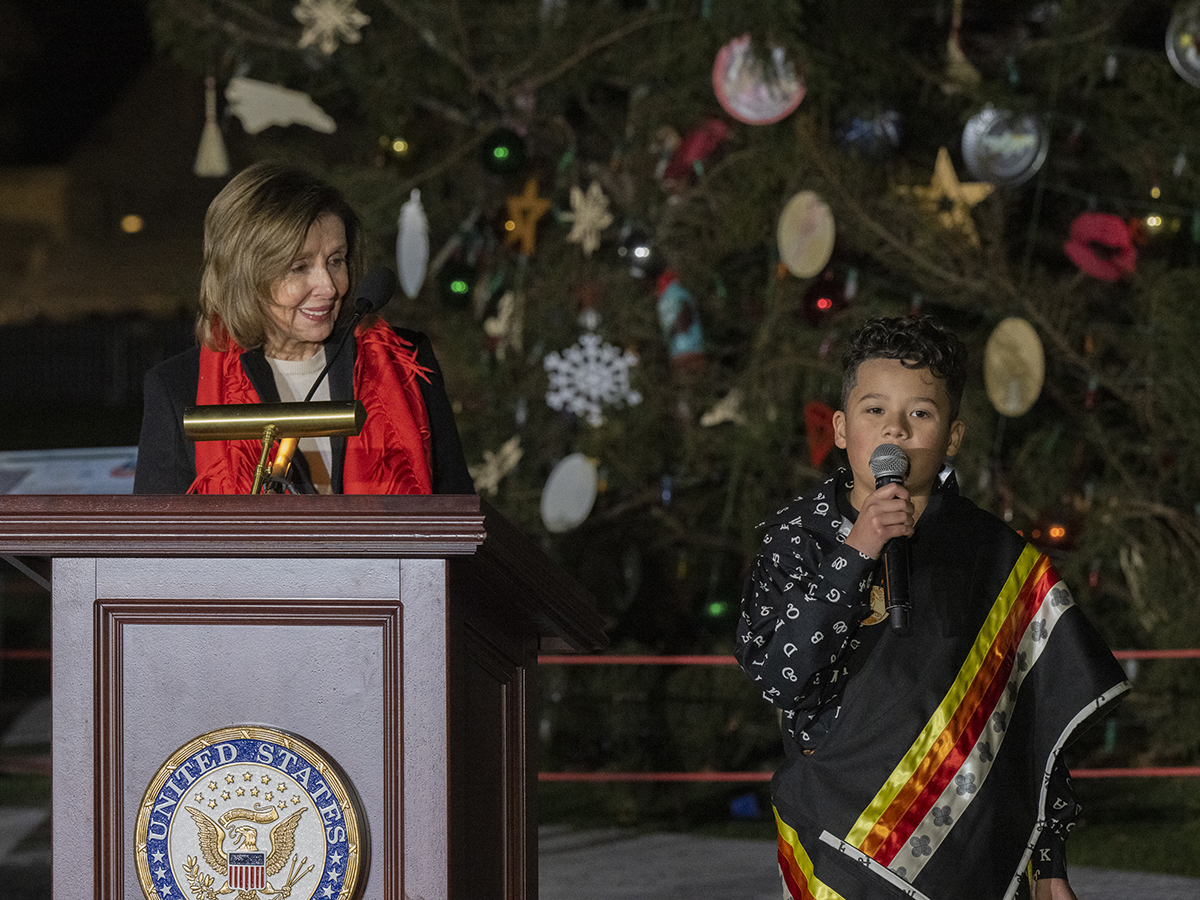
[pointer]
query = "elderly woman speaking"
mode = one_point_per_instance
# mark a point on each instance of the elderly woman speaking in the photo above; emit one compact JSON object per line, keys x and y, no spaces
{"x":282,"y":252}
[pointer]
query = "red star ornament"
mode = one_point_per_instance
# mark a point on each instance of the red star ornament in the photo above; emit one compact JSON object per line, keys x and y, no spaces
{"x":523,"y":212}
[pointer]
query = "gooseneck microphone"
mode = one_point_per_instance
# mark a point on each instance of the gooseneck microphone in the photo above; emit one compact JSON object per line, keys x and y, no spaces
{"x":372,"y":295}
{"x":889,"y":464}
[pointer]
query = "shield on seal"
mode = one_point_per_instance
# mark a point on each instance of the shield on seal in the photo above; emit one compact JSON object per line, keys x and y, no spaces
{"x":248,"y":870}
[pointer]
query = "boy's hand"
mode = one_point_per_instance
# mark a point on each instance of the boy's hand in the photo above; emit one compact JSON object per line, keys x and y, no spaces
{"x":1053,"y":889}
{"x":886,"y":513}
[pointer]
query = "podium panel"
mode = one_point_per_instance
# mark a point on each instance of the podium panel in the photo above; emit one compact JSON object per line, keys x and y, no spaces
{"x":406,"y":653}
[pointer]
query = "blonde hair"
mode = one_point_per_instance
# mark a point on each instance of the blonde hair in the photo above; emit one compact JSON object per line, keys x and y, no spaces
{"x":253,"y":230}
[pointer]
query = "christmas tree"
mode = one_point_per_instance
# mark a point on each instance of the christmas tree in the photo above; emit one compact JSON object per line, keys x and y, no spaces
{"x":640,"y":234}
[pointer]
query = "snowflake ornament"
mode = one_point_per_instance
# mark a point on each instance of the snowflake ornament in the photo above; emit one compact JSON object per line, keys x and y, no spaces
{"x":328,"y":21}
{"x":588,"y":376}
{"x":589,"y":216}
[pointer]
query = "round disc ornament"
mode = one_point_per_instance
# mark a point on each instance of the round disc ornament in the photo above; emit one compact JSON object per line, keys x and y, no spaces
{"x":1014,"y":367}
{"x":752,"y":90}
{"x":1004,"y":148}
{"x":569,"y":494}
{"x":1183,"y":41}
{"x":251,"y":812}
{"x":805,"y":234}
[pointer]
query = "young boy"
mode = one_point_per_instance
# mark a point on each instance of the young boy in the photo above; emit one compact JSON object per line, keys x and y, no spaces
{"x":922,"y":763}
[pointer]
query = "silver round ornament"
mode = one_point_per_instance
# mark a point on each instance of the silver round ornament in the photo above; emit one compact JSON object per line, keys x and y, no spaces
{"x":1183,"y":41}
{"x":1003,"y":148}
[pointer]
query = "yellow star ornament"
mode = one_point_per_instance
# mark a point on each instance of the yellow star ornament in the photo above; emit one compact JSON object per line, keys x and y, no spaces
{"x":950,"y":198}
{"x":523,"y":212}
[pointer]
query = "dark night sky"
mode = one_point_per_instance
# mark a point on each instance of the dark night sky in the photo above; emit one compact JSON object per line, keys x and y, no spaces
{"x":62,"y":63}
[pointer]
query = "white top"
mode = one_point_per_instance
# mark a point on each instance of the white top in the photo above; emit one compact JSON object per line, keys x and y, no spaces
{"x":294,"y":379}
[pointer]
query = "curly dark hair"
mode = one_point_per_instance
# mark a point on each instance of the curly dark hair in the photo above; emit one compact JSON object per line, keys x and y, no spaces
{"x":919,"y":342}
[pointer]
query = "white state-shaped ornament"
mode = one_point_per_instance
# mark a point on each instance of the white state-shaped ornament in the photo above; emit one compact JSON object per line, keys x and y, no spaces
{"x":412,"y":245}
{"x":259,"y":105}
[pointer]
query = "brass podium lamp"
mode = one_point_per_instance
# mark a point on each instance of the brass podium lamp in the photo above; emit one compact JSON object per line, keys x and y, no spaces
{"x":283,"y":422}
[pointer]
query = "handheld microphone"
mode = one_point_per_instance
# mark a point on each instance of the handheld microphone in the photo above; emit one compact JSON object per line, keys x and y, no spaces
{"x":889,"y":464}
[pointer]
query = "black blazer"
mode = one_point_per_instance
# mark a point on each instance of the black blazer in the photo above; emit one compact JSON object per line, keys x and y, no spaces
{"x":166,"y":461}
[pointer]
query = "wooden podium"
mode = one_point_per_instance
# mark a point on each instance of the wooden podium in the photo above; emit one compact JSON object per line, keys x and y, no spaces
{"x":398,"y":634}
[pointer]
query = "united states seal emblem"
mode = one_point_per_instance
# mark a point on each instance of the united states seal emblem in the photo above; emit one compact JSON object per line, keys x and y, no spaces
{"x":250,"y":813}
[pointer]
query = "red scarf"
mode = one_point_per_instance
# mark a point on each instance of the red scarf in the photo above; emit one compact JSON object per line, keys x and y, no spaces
{"x":390,"y":456}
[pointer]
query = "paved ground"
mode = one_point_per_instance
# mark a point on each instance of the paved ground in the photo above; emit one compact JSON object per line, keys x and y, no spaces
{"x":609,"y":864}
{"x":621,"y":865}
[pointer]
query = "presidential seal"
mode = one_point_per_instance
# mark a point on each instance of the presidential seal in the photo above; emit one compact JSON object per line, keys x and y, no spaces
{"x":253,"y":814}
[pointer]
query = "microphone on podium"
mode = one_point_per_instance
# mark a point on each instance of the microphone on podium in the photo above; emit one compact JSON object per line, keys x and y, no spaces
{"x":889,"y":464}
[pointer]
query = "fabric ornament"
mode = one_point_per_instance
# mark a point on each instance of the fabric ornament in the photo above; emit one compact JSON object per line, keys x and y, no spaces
{"x":695,"y":147}
{"x":951,"y":199}
{"x":211,"y":159}
{"x":679,"y":318}
{"x":259,"y":105}
{"x":328,"y":21}
{"x":818,"y":430}
{"x":523,"y":212}
{"x":496,"y":465}
{"x":589,"y":216}
{"x":412,"y":245}
{"x":1101,"y":246}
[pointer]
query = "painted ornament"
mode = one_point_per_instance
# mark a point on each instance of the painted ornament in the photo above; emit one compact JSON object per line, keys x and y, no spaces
{"x":1004,"y":148}
{"x":412,"y":245}
{"x":679,"y":319}
{"x":569,"y":493}
{"x":1014,"y":367}
{"x":752,"y":92}
{"x":805,"y":234}
{"x":326,"y":22}
{"x":951,"y":199}
{"x":1183,"y":41}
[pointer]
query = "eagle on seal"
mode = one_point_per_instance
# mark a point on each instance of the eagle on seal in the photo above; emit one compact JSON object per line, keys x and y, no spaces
{"x":211,"y":837}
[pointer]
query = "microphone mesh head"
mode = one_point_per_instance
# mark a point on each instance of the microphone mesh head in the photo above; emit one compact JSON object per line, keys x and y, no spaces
{"x":375,"y":289}
{"x":888,"y":461}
